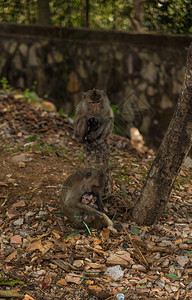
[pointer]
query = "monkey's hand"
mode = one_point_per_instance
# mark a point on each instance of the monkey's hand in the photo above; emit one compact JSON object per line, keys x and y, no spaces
{"x":89,"y":210}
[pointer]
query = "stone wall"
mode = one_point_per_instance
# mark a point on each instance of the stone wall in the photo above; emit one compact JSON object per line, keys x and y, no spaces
{"x":146,"y":69}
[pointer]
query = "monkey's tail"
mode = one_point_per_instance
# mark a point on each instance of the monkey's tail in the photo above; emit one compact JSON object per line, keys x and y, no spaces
{"x":107,"y":220}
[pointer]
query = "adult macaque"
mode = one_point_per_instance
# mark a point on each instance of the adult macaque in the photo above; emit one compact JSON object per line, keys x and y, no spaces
{"x":93,"y":118}
{"x":81,"y":196}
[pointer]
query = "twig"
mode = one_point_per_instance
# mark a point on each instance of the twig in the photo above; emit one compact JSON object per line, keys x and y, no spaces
{"x":10,"y":294}
{"x":135,"y":246}
{"x":96,"y":250}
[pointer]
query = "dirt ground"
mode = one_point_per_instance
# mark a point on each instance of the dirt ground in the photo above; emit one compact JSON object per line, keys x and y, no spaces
{"x":43,"y":257}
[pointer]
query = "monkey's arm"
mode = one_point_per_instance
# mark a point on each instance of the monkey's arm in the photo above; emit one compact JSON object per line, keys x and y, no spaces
{"x":80,"y":129}
{"x":89,"y":210}
{"x":102,"y":132}
{"x":100,"y":202}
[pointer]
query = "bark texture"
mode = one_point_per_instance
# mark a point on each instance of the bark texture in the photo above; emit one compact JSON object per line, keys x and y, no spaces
{"x":137,"y":19}
{"x":44,"y":12}
{"x":97,"y":157}
{"x":172,"y":151}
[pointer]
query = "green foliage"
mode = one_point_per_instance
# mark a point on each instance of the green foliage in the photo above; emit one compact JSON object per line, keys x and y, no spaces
{"x":30,"y":95}
{"x":10,"y":282}
{"x":62,"y":113}
{"x":169,"y":16}
{"x":172,"y":276}
{"x":135,"y":230}
{"x":5,"y":84}
{"x":172,"y":16}
{"x":33,"y":138}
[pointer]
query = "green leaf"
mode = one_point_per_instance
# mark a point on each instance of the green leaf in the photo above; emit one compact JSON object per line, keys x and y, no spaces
{"x":172,"y":276}
{"x":142,"y":286}
{"x":188,"y":252}
{"x":135,"y":230}
{"x":166,"y":213}
{"x":10,"y":282}
{"x":33,"y":138}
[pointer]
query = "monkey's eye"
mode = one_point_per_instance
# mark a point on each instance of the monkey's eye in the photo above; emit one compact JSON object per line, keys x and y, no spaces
{"x":95,"y":102}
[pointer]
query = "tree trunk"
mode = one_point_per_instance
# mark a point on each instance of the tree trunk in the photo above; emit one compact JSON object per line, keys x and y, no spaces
{"x":172,"y":151}
{"x":44,"y":12}
{"x":137,"y":19}
{"x":87,"y":13}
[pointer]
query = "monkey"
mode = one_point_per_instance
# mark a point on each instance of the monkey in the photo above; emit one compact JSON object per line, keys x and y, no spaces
{"x":84,"y":182}
{"x":91,"y":200}
{"x":94,"y":118}
{"x":92,"y":125}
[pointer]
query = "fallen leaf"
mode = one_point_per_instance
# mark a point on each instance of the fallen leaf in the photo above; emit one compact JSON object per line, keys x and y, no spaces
{"x":135,"y":230}
{"x":73,"y":278}
{"x":46,"y":247}
{"x":119,"y":258}
{"x":3,"y":184}
{"x":35,"y":246}
{"x":12,"y":212}
{"x":11,"y":256}
{"x":16,"y":240}
{"x":57,"y":236}
{"x":61,"y":282}
{"x":99,"y":292}
{"x":172,"y":276}
{"x":19,"y":204}
{"x":105,"y":233}
{"x":95,"y":265}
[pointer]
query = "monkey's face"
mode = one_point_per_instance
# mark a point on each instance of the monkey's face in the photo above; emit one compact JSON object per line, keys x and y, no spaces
{"x":95,"y":106}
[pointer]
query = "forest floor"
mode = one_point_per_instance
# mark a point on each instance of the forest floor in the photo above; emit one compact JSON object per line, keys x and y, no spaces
{"x":43,"y":257}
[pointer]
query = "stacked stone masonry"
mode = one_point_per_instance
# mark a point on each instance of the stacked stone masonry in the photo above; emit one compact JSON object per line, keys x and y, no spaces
{"x":67,"y":61}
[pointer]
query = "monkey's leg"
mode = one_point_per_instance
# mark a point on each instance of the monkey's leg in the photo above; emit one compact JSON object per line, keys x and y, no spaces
{"x":89,"y":210}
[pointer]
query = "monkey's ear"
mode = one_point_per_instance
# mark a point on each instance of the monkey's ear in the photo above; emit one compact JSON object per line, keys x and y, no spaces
{"x":84,"y":95}
{"x":103,"y":91}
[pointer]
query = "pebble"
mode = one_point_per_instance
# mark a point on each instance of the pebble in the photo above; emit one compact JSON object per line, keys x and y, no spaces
{"x":157,"y":256}
{"x":139,"y":268}
{"x":115,"y":272}
{"x":38,"y":273}
{"x":18,"y":222}
{"x":161,"y":284}
{"x":21,"y":164}
{"x":16,"y":241}
{"x":182,"y":260}
{"x":165,"y":243}
{"x":78,"y":263}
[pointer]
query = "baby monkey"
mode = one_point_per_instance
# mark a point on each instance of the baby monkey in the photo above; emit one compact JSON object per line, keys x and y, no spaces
{"x":81,"y":199}
{"x":89,"y":199}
